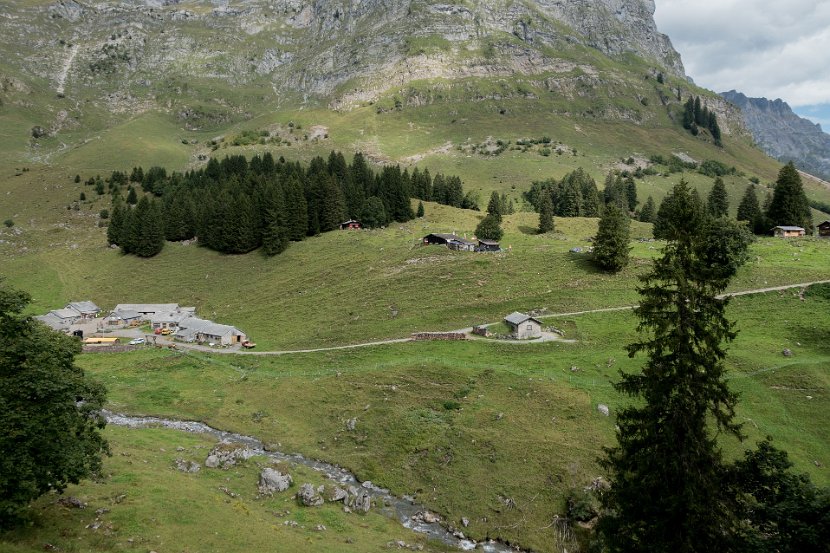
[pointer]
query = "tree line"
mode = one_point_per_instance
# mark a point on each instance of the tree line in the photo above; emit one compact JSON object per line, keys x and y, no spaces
{"x":237,"y":205}
{"x":696,"y":117}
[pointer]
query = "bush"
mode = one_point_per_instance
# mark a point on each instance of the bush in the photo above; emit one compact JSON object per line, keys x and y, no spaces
{"x":104,"y":214}
{"x":9,"y":223}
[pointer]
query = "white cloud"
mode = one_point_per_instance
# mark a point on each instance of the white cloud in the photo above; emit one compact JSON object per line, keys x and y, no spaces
{"x":771,"y":49}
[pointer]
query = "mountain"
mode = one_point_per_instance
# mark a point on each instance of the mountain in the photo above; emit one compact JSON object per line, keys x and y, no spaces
{"x":784,"y":135}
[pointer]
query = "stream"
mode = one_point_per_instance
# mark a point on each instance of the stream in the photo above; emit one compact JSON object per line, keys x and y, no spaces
{"x":402,"y":509}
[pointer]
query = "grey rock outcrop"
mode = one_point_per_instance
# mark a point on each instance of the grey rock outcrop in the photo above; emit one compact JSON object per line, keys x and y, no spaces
{"x":187,"y":466}
{"x":784,"y":135}
{"x":271,"y":481}
{"x":308,"y":496}
{"x":225,"y":455}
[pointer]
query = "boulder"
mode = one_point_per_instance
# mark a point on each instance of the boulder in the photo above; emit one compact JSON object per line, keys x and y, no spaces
{"x":787,"y":352}
{"x":225,"y":455}
{"x":351,"y":423}
{"x":308,"y":496}
{"x":361,"y":502}
{"x":271,"y":481}
{"x":602,"y":408}
{"x":337,"y":493}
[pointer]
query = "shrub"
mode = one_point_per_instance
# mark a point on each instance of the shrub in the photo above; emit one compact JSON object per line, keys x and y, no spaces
{"x":9,"y":223}
{"x":104,"y":214}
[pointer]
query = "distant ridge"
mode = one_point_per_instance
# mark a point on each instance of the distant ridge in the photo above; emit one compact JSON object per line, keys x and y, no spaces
{"x":784,"y":135}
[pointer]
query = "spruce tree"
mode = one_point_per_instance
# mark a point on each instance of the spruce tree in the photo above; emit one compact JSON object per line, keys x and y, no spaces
{"x":667,"y":215}
{"x":494,"y":206}
{"x":631,"y":193}
{"x":545,"y":214}
{"x":373,"y":213}
{"x":611,"y":245}
{"x":489,"y":229}
{"x":146,"y":229}
{"x":789,"y":205}
{"x":648,"y":212}
{"x":666,"y":470}
{"x":717,"y":205}
{"x":689,"y":113}
{"x":420,"y":212}
{"x":750,"y":211}
{"x":275,"y":234}
{"x":132,"y":197}
{"x":115,"y":229}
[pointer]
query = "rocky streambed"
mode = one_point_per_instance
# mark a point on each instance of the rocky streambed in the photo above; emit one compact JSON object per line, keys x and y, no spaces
{"x":404,"y":509}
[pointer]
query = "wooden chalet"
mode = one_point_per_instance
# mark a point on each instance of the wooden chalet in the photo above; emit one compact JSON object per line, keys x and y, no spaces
{"x":451,"y":241}
{"x":488,"y":246}
{"x":351,"y":224}
{"x":785,"y":231}
{"x":824,"y":229}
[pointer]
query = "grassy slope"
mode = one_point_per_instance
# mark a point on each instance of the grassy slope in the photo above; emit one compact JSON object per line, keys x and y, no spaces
{"x":526,"y":426}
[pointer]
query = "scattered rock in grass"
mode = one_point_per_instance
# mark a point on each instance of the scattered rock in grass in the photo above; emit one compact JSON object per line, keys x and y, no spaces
{"x":72,"y":502}
{"x":292,"y":523}
{"x":358,"y":500}
{"x":225,"y":455}
{"x":227,"y":492}
{"x":351,"y":423}
{"x":187,"y":466}
{"x":320,"y":528}
{"x":574,"y":368}
{"x":787,"y":352}
{"x":602,"y":408}
{"x":465,"y":522}
{"x":271,"y":481}
{"x":308,"y":496}
{"x":180,"y":449}
{"x":102,"y":511}
{"x":400,"y":544}
{"x":598,"y":484}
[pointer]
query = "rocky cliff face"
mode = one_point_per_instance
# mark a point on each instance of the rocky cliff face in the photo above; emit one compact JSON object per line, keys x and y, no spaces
{"x":784,"y":135}
{"x":317,"y":48}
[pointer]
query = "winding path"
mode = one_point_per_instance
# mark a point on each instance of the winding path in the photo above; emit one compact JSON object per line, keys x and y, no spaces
{"x":468,"y":330}
{"x":67,"y":65}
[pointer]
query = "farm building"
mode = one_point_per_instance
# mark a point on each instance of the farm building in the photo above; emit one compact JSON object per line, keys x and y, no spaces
{"x":488,"y":246}
{"x":147,"y":310}
{"x":53,"y":321}
{"x":86,"y":309}
{"x":194,"y":329}
{"x":171,"y":319}
{"x":783,"y":231}
{"x":351,"y":224}
{"x":824,"y":229}
{"x":126,"y":317}
{"x":452,"y":242}
{"x":524,"y":326}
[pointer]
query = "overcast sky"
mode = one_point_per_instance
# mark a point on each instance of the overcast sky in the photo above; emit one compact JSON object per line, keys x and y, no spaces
{"x":763,"y":48}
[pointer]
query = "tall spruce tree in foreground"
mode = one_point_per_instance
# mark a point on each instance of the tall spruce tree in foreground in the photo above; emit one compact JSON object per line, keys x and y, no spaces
{"x":717,"y":205}
{"x":666,"y":470}
{"x":789,"y":204}
{"x":545,"y":214}
{"x":611,"y":243}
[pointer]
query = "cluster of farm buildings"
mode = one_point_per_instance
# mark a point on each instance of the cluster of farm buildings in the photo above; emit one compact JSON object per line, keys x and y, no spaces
{"x":180,"y":323}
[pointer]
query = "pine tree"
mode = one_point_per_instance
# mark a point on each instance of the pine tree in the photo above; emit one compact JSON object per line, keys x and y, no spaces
{"x":545,"y":214}
{"x":648,"y":213}
{"x":275,"y":234}
{"x":689,"y":113}
{"x":666,"y":470}
{"x":631,"y":193}
{"x":699,"y":121}
{"x":146,"y":229}
{"x":494,"y":206}
{"x":489,"y":229}
{"x":115,"y":229}
{"x":789,"y":205}
{"x":611,"y":243}
{"x":667,"y":217}
{"x":750,"y":211}
{"x":132,"y":197}
{"x":591,"y":205}
{"x":296,"y":209}
{"x":717,"y":205}
{"x":373,"y":214}
{"x":420,"y":212}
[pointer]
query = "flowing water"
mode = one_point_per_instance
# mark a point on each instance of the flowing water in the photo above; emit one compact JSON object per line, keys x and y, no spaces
{"x":402,"y":509}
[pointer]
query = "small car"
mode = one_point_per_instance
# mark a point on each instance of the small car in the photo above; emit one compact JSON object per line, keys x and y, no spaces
{"x":166,"y":332}
{"x":136,"y":341}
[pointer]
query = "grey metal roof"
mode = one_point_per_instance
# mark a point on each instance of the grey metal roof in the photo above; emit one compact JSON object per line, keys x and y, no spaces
{"x":84,"y":307}
{"x":147,"y":307}
{"x":517,"y":318}
{"x":125,"y":314}
{"x":66,"y":313}
{"x":170,"y":317}
{"x":488,"y":242}
{"x":53,"y":322}
{"x":191,"y":326}
{"x":786,"y":227}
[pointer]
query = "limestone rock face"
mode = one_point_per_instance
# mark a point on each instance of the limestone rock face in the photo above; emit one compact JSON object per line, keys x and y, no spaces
{"x":271,"y":481}
{"x":314,"y":47}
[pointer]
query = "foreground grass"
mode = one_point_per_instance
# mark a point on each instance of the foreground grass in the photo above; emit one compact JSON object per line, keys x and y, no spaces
{"x":142,"y":503}
{"x":465,"y":426}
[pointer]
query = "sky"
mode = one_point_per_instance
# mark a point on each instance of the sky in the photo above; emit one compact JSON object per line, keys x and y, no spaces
{"x":768,"y":49}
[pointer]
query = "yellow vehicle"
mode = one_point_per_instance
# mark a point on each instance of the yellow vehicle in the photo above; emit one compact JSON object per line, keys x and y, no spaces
{"x":166,"y":331}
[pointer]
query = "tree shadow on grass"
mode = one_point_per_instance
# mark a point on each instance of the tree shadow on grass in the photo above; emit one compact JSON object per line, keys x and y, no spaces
{"x":524,"y":229}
